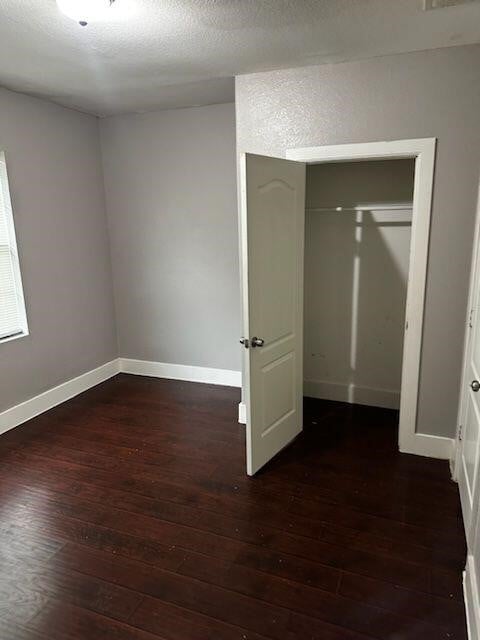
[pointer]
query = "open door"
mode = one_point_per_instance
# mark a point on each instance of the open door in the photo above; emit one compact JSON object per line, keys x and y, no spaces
{"x":272,"y":237}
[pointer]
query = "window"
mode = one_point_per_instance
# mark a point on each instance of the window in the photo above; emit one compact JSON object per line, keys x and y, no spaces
{"x":13,"y":320}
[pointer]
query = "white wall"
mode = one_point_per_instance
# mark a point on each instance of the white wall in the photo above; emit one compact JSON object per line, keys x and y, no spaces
{"x":56,"y":185}
{"x":356,"y":270}
{"x":415,"y":95}
{"x":171,"y":197}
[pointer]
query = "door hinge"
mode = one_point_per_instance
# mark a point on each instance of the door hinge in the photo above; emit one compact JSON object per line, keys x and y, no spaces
{"x":470,"y":319}
{"x":460,"y":430}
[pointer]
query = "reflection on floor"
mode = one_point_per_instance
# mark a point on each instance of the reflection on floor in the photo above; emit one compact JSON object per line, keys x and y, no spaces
{"x":126,"y":515}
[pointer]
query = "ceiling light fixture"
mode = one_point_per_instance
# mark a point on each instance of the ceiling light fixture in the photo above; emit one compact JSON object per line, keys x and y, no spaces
{"x":84,"y":11}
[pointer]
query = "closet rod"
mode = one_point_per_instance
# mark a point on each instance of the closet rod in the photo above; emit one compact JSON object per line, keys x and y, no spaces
{"x":390,"y":207}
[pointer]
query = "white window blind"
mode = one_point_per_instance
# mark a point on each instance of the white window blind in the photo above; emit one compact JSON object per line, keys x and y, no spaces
{"x":12,"y":307}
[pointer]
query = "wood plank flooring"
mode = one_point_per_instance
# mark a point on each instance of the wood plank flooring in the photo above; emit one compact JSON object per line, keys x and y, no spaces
{"x":126,"y":515}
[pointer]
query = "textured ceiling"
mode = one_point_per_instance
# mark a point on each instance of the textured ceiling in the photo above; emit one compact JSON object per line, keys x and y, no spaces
{"x":174,"y":53}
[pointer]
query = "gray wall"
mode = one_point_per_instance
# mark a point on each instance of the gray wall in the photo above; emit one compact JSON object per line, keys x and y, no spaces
{"x":56,"y":185}
{"x":356,"y":271}
{"x":171,"y":200}
{"x":426,"y":94}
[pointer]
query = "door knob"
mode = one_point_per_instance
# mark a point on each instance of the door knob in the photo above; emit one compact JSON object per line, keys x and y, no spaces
{"x":475,"y":385}
{"x":254,"y":342}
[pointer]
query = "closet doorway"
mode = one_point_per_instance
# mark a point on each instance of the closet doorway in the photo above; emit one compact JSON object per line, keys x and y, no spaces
{"x":355,"y":321}
{"x":358,"y":221}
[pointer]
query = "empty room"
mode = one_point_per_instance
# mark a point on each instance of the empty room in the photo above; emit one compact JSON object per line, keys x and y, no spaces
{"x":239,"y":320}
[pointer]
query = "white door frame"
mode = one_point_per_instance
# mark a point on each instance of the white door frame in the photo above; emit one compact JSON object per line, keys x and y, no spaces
{"x":423,"y":150}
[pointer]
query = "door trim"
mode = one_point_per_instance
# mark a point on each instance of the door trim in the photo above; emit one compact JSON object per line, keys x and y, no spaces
{"x":423,"y":150}
{"x":471,"y":598}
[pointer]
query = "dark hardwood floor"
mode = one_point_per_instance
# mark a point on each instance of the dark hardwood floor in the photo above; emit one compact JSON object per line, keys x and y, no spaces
{"x":126,"y":514}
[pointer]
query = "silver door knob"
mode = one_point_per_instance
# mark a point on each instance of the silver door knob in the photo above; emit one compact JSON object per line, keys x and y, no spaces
{"x":257,"y":342}
{"x":245,"y":342}
{"x":475,"y":385}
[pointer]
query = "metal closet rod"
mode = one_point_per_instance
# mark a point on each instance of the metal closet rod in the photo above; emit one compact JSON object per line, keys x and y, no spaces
{"x":390,"y":207}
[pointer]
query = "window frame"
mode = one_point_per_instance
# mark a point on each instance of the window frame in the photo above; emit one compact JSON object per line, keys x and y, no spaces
{"x":12,"y":248}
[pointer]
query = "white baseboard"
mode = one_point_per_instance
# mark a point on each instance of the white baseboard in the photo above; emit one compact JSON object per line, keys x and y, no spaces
{"x":224,"y":377}
{"x":30,"y":408}
{"x":35,"y":406}
{"x":341,"y":392}
{"x":242,"y":413}
{"x":472,"y":599}
{"x":418,"y":444}
{"x":422,"y":444}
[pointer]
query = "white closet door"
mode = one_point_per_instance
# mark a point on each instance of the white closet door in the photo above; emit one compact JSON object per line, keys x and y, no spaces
{"x":272,"y":229}
{"x":468,"y":454}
